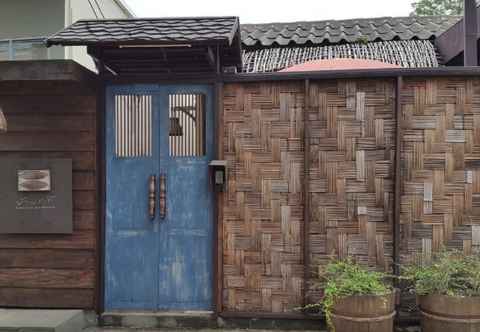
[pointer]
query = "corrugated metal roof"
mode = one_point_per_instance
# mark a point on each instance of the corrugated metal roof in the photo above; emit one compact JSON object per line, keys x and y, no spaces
{"x":405,"y":53}
{"x":151,"y":30}
{"x":345,"y":31}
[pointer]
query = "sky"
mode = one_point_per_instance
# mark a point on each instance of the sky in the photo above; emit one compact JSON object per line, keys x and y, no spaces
{"x":264,"y":11}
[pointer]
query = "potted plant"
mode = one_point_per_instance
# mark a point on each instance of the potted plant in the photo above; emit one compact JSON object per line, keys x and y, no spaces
{"x":355,"y":299}
{"x":448,"y":291}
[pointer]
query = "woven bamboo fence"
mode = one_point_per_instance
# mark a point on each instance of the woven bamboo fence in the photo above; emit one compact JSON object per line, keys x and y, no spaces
{"x":350,"y":180}
{"x":440,"y":166}
{"x":263,"y":216}
{"x":352,"y":150}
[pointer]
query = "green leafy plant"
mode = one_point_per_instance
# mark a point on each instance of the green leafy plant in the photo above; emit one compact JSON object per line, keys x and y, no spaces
{"x":362,"y":40}
{"x":448,"y":273}
{"x":437,"y":7}
{"x":342,"y":278}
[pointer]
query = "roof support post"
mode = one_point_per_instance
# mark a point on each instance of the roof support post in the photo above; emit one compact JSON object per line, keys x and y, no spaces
{"x":217,"y":59}
{"x":100,"y":188}
{"x":470,"y":55}
{"x":398,"y":176}
{"x":211,"y":58}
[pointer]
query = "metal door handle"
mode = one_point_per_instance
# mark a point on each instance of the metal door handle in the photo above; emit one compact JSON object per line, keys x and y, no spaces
{"x":152,"y":192}
{"x":163,"y":196}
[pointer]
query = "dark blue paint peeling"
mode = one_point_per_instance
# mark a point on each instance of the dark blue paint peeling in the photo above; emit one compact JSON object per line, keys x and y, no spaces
{"x":164,"y":264}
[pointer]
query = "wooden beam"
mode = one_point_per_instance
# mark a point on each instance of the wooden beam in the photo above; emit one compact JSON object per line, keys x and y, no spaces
{"x":218,"y":61}
{"x":350,"y":74}
{"x":220,"y":199}
{"x":398,"y":176}
{"x":306,"y":188}
{"x":210,"y":55}
{"x":100,"y":163}
{"x":470,"y":54}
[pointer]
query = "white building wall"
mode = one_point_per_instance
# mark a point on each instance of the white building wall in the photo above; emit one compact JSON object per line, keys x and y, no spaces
{"x":83,"y":9}
{"x":31,"y":19}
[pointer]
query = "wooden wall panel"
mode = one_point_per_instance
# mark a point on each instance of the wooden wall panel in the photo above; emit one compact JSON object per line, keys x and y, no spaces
{"x":52,"y":120}
{"x":440,"y":166}
{"x":36,"y":298}
{"x":263,"y":211}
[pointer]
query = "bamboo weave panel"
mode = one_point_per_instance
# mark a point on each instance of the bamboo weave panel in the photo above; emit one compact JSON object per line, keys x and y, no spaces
{"x":440,"y":204}
{"x":351,"y":180}
{"x":263,"y":213}
{"x":352,"y":150}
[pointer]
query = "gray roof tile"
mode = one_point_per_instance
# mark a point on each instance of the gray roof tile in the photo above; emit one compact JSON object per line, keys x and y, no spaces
{"x":158,"y":30}
{"x":348,"y":31}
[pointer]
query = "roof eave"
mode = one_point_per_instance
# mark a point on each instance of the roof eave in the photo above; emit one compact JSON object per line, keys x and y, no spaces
{"x":52,"y":42}
{"x":235,"y":31}
{"x":451,"y":42}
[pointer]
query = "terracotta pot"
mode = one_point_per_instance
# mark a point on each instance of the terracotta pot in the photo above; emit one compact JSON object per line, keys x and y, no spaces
{"x":449,"y":313}
{"x":364,"y":313}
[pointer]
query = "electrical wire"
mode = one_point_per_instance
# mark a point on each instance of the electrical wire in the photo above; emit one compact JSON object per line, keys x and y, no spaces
{"x":93,"y":9}
{"x":99,"y":8}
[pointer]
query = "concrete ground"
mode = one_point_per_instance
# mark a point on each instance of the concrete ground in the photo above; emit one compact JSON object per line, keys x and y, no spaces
{"x":105,"y":329}
{"x":97,"y":329}
{"x":18,"y":320}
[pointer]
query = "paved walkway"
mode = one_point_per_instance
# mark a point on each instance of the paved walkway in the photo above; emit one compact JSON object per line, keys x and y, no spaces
{"x":397,"y":329}
{"x":105,"y":329}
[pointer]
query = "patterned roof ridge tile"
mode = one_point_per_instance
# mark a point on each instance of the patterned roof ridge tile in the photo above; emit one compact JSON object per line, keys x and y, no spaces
{"x":335,"y":31}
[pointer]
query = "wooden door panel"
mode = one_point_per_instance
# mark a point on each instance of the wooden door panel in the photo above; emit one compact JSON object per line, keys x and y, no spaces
{"x":187,"y":230}
{"x":131,"y":235}
{"x":164,"y":263}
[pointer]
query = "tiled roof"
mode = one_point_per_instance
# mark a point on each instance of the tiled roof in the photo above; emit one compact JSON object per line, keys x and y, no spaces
{"x":154,"y":30}
{"x":345,"y":31}
{"x":405,"y":53}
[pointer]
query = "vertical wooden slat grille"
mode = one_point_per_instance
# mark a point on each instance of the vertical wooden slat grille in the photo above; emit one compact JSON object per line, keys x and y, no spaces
{"x":133,"y":126}
{"x":187,"y":125}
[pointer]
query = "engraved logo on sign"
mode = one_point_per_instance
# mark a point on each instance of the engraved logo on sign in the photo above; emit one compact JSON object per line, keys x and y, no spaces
{"x":29,"y":203}
{"x":34,"y":180}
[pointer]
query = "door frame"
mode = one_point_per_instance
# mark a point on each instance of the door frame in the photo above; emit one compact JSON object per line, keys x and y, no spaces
{"x":101,"y":184}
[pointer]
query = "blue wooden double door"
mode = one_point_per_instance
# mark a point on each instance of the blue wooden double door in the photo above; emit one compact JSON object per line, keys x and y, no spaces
{"x":159,"y":200}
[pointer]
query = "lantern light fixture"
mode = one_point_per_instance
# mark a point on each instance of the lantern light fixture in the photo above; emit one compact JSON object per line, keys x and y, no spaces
{"x":176,"y":129}
{"x":3,"y":122}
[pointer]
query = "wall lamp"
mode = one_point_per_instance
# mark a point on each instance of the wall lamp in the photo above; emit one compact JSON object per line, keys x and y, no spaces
{"x":3,"y":122}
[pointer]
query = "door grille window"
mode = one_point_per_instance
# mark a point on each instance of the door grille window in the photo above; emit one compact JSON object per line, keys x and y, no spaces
{"x":187,"y":125}
{"x":133,"y":126}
